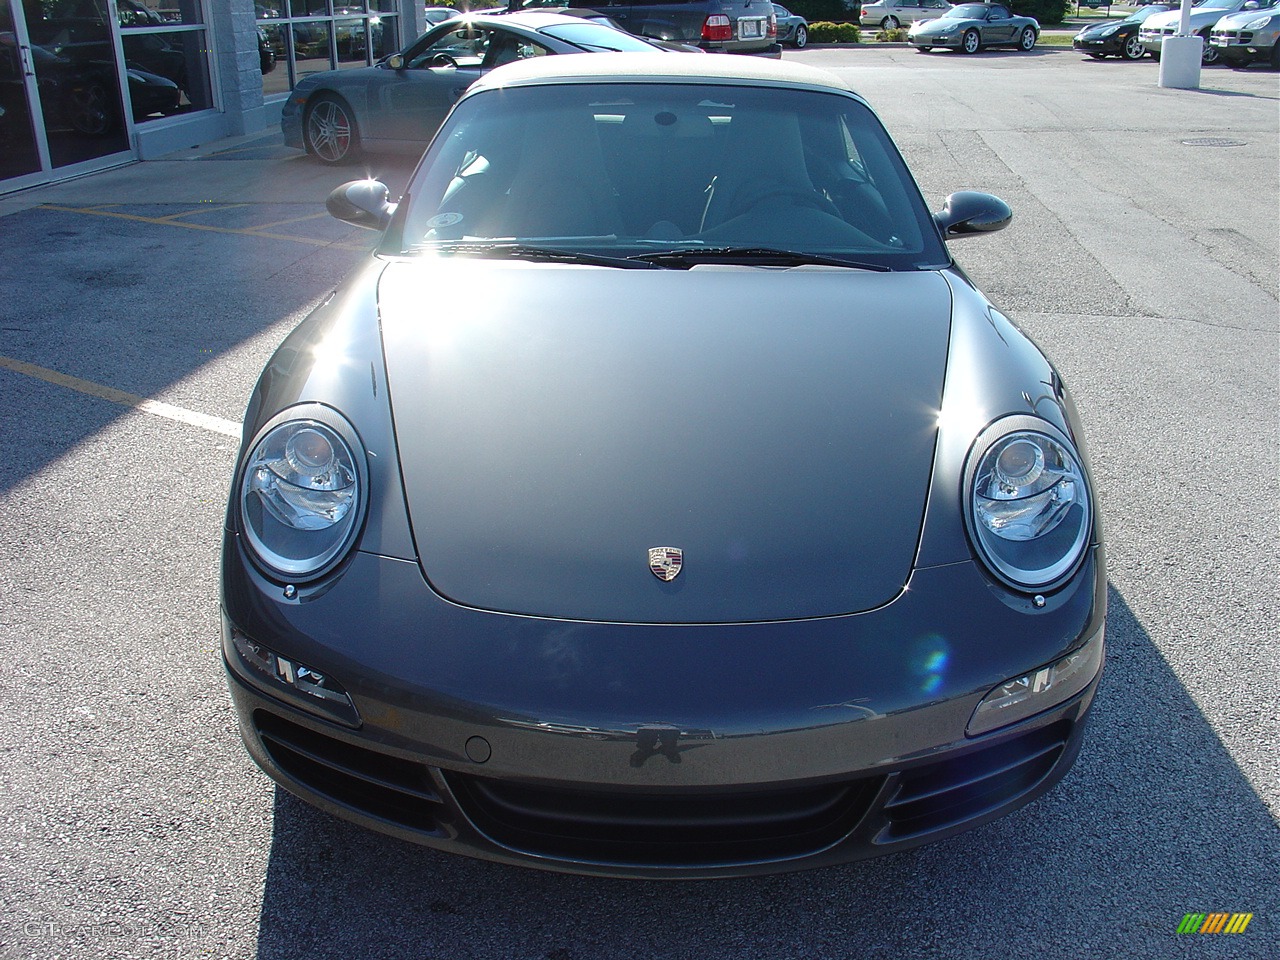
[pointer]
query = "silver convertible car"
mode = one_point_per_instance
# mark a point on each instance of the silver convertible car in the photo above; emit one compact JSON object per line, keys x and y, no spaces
{"x":660,"y":498}
{"x":397,"y":104}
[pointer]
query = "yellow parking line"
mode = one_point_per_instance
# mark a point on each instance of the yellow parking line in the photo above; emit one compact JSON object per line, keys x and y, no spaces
{"x":227,"y":428}
{"x":281,"y":223}
{"x":191,"y":213}
{"x":239,"y":231}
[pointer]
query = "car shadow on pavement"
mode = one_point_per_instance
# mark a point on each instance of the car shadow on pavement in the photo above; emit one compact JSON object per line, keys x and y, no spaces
{"x":1154,"y":822}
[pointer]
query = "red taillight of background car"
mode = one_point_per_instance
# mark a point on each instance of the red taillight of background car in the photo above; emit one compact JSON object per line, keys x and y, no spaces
{"x":772,"y":32}
{"x":717,"y":27}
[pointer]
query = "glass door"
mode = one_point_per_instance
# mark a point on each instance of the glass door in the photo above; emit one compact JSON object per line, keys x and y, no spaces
{"x":60,"y":89}
{"x":19,"y":141}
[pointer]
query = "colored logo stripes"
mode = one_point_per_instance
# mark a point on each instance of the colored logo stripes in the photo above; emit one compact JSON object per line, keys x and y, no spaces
{"x":1214,"y":922}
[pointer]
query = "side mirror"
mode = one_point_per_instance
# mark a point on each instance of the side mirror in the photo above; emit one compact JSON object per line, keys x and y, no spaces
{"x":396,"y":61}
{"x":967,"y":213}
{"x":363,"y":203}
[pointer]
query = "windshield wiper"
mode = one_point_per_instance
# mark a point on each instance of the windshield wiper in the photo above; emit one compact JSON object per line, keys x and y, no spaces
{"x":532,"y":252}
{"x":753,"y":256}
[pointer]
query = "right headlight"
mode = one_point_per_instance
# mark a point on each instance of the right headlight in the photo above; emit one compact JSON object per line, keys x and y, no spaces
{"x":1028,"y":506}
{"x":302,"y":493}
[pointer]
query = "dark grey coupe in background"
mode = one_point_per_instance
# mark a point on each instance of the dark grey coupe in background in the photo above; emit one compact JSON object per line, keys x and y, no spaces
{"x":396,"y":105}
{"x":661,"y":499}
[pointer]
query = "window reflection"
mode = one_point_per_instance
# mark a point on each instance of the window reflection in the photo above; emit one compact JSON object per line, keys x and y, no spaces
{"x":273,"y":58}
{"x":311,"y":47}
{"x":353,"y":46}
{"x":179,"y":58}
{"x":293,"y":41}
{"x":156,"y":13}
{"x":75,"y":66}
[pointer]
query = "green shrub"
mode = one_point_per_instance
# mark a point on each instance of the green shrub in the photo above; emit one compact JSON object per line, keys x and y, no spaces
{"x":892,"y":36}
{"x":1044,"y":11}
{"x":824,"y":31}
{"x":826,"y":11}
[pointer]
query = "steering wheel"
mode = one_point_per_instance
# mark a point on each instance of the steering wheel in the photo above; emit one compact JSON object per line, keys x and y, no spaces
{"x":443,"y":60}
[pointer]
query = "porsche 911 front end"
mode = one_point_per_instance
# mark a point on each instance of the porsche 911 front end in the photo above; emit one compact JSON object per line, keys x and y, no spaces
{"x":587,"y":530}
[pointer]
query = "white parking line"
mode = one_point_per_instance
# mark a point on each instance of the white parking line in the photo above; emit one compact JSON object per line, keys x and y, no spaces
{"x":227,"y":428}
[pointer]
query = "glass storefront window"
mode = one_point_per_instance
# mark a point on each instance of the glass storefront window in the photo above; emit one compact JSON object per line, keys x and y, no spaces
{"x":311,"y":48}
{"x":382,"y":37}
{"x":299,"y":37}
{"x":168,"y":67}
{"x":158,"y":13}
{"x":353,"y":43}
{"x":273,"y":58}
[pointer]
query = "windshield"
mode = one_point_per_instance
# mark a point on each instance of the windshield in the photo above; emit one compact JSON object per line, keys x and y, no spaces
{"x":1143,"y":12}
{"x":596,"y":36}
{"x":966,"y":11}
{"x":616,"y":169}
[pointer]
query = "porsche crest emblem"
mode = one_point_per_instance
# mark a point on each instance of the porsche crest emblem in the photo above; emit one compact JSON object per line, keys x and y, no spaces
{"x":665,"y":562}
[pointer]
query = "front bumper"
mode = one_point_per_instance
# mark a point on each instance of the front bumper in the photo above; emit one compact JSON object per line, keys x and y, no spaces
{"x":662,"y":751}
{"x":1112,"y":45}
{"x":950,"y":40}
{"x":1244,"y":46}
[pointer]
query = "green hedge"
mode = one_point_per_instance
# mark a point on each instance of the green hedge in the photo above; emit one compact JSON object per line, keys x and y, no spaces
{"x":823,"y":31}
{"x":826,"y":11}
{"x":1045,"y":11}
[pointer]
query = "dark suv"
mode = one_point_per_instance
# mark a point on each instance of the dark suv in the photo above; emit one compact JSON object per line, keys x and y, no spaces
{"x":718,"y":26}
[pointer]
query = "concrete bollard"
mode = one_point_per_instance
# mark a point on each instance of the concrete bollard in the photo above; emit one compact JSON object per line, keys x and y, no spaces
{"x":1180,"y":62}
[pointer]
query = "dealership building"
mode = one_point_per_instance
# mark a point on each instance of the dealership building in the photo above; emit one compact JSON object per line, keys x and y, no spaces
{"x":88,"y":84}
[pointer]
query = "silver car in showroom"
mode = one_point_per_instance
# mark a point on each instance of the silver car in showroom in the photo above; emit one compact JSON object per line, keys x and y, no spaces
{"x":660,"y":498}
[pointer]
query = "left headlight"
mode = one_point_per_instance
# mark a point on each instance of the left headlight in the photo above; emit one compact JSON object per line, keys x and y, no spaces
{"x":1028,"y":504}
{"x":302,"y":493}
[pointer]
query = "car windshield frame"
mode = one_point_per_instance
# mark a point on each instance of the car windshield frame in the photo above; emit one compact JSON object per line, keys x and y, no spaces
{"x":868,"y":208}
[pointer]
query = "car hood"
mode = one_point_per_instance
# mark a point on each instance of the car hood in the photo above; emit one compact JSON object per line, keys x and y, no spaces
{"x":1099,"y":28}
{"x":1235,"y":21}
{"x":1199,"y":18}
{"x":940,"y":23}
{"x":556,"y":422}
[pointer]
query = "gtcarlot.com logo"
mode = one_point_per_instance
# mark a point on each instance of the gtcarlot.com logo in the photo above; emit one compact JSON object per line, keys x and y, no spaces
{"x":1215,"y":922}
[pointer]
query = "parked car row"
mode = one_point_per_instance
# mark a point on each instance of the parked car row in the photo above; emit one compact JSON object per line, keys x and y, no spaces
{"x":1238,"y":32}
{"x":1204,"y":15}
{"x":1251,"y":36}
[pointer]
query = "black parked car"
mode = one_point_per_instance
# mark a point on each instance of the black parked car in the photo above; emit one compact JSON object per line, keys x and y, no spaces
{"x":1117,"y":38}
{"x":554,"y":539}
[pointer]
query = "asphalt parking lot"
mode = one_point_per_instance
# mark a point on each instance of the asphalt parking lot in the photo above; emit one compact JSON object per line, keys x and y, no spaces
{"x":140,"y":304}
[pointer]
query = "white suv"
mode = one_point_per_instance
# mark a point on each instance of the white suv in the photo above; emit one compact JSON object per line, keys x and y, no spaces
{"x":1204,"y":15}
{"x":1250,"y":36}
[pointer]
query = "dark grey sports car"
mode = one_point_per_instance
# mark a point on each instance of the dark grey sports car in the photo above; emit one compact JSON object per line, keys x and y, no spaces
{"x":660,"y":498}
{"x":396,"y":105}
{"x":970,"y":27}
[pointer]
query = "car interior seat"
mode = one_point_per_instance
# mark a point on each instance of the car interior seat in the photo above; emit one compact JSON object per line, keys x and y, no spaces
{"x":561,"y":187}
{"x":763,"y":160}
